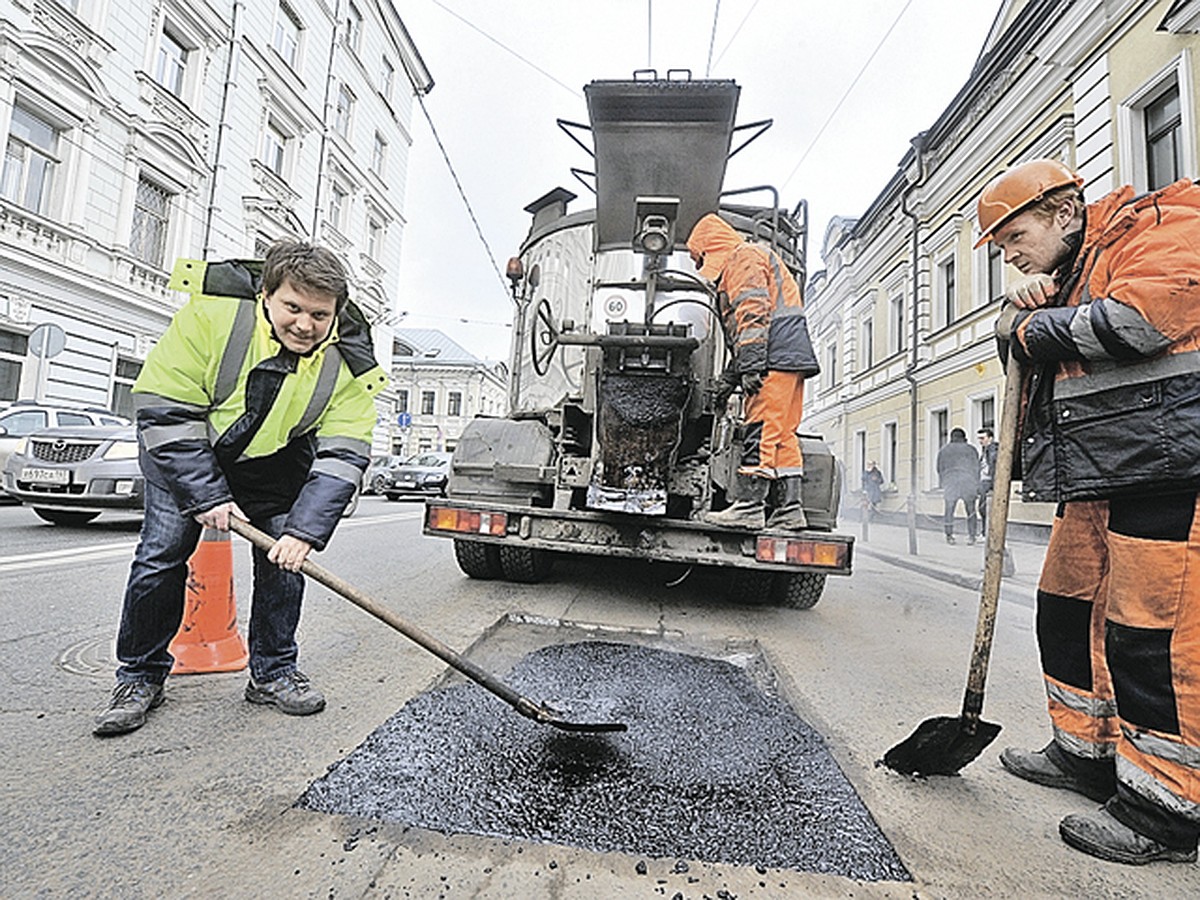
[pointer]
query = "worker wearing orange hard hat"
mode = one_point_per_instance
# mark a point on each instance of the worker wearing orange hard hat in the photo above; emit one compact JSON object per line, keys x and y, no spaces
{"x":1108,"y":326}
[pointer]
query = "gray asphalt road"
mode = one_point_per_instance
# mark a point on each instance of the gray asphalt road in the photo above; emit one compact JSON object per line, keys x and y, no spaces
{"x":200,"y":802}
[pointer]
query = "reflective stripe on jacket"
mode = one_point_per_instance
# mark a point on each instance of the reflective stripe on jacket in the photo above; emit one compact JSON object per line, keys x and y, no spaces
{"x":225,"y":412}
{"x":1121,"y":413}
{"x":762,"y":310}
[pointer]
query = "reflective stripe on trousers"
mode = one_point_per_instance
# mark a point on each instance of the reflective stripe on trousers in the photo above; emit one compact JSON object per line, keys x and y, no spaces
{"x":1119,"y":633}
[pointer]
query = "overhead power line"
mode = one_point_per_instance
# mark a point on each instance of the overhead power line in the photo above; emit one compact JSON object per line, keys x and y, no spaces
{"x":838,"y":106}
{"x":736,"y":32}
{"x":712,"y":39}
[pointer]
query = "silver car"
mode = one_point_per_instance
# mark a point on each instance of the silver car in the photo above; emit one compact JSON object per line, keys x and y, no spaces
{"x":24,"y":417}
{"x":425,"y":473}
{"x":70,"y":475}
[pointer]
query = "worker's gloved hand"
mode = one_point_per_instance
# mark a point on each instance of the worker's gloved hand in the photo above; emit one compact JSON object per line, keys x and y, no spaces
{"x":1006,"y":321}
{"x":752,"y":382}
{"x":1039,"y":290}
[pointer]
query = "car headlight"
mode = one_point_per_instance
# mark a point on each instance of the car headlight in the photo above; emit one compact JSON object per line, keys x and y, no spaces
{"x":122,"y":450}
{"x":20,"y":446}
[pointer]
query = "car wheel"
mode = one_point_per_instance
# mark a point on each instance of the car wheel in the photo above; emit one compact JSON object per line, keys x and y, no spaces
{"x":65,"y":517}
{"x":800,"y":590}
{"x":477,"y":559}
{"x":392,"y":497}
{"x":378,"y":483}
{"x":525,"y":564}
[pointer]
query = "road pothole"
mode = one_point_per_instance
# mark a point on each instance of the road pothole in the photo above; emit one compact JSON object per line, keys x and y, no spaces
{"x":713,"y":768}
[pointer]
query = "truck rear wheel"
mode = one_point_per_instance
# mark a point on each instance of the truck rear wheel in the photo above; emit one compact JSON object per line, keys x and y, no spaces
{"x":801,"y":590}
{"x":750,"y":587}
{"x":524,"y":564}
{"x":477,"y":559}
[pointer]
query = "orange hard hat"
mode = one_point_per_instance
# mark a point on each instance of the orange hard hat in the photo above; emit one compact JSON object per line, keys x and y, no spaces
{"x":1010,"y":192}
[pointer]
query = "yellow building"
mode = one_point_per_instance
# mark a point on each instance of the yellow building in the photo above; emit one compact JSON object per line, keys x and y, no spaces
{"x":902,"y":314}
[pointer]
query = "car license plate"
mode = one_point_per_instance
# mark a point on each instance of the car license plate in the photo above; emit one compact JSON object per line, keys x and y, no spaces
{"x":407,"y":483}
{"x":41,"y":475}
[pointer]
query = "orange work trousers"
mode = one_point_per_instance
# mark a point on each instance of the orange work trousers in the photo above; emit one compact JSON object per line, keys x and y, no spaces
{"x":770,"y":448}
{"x":1118,"y":624}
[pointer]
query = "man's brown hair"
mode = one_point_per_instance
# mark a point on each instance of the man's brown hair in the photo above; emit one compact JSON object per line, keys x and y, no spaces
{"x":1046,"y":208}
{"x":309,"y":268}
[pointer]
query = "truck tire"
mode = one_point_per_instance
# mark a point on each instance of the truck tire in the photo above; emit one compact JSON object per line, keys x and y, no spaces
{"x":801,"y":590}
{"x":477,"y":559}
{"x":750,"y":587}
{"x":524,"y":564}
{"x":65,"y":517}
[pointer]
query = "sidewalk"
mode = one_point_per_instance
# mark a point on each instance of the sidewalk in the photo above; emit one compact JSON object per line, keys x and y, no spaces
{"x":959,"y":564}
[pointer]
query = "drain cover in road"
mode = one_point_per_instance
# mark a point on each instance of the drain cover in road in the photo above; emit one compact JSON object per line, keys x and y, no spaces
{"x":711,"y":769}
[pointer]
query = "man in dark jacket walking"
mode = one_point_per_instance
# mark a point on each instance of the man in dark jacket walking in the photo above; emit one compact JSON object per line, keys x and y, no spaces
{"x":958,"y":476}
{"x":988,"y":450}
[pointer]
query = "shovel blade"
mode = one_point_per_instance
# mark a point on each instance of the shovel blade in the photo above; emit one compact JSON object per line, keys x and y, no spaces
{"x":588,"y":716}
{"x":941,"y":746}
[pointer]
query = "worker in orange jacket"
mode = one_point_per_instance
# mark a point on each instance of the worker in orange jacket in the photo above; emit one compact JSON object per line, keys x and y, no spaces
{"x":1109,"y":327}
{"x":763,"y":315}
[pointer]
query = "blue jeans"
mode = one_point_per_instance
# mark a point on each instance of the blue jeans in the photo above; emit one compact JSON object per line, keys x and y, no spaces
{"x":154,"y":595}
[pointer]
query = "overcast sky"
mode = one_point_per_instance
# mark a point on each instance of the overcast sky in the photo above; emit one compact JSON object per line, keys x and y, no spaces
{"x":505,"y":70}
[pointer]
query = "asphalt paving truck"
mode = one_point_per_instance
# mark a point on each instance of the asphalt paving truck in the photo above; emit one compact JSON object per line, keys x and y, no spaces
{"x":620,"y":431}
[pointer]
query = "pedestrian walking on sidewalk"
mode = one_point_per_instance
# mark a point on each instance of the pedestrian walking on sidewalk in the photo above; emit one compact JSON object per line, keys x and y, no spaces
{"x":988,"y":450}
{"x":257,"y":402}
{"x":872,"y":485}
{"x":958,"y":477}
{"x":1109,"y":327}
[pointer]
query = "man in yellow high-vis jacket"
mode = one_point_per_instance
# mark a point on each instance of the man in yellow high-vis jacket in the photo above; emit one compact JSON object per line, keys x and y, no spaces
{"x":257,"y":402}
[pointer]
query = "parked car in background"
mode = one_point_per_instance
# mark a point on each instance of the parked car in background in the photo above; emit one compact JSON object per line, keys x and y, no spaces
{"x":69,"y":475}
{"x":23,"y":417}
{"x":425,"y":473}
{"x":375,"y":478}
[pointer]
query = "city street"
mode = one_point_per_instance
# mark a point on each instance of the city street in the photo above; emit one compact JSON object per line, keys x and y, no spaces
{"x":202,"y":801}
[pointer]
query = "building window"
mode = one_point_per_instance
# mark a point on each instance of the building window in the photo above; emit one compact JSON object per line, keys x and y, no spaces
{"x":13,"y":348}
{"x":939,"y":436}
{"x":983,"y":412}
{"x":995,"y":272}
{"x":946,"y":288}
{"x":831,"y":363}
{"x":30,"y":161}
{"x":387,"y":75}
{"x":338,"y":201}
{"x":151,"y":216}
{"x":867,"y":351}
{"x":427,"y":403}
{"x":354,"y":28}
{"x":343,"y":111}
{"x":123,"y":379}
{"x":454,"y":404}
{"x":860,"y":453}
{"x":286,"y":39}
{"x":896,"y":322}
{"x":275,"y":144}
{"x":402,"y":401}
{"x":72,"y":5}
{"x":379,"y":155}
{"x":171,"y":65}
{"x":1164,"y":121}
{"x":374,"y":238}
{"x":889,"y":450}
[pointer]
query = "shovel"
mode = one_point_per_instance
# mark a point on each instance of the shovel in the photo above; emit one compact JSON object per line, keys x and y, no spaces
{"x":943,"y":745}
{"x":539,"y":712}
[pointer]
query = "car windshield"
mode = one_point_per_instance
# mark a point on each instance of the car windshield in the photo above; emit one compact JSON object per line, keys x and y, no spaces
{"x":24,"y":422}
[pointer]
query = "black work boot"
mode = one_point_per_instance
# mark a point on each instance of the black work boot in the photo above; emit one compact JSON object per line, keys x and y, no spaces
{"x":290,"y":693}
{"x":789,"y":515}
{"x":749,"y":507}
{"x":1052,"y":767}
{"x":1102,"y":835}
{"x":130,"y":704}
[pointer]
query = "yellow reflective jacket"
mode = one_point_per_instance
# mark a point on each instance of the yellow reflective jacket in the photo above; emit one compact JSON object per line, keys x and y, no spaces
{"x":225,"y":412}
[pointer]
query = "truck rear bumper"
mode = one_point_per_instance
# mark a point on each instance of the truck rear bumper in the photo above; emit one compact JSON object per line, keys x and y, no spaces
{"x":641,"y":537}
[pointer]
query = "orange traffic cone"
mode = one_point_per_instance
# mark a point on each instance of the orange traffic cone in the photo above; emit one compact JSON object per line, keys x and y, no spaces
{"x":208,"y":639}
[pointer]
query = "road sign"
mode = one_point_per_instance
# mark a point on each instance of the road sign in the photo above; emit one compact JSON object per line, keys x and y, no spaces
{"x":404,"y":419}
{"x":47,"y":340}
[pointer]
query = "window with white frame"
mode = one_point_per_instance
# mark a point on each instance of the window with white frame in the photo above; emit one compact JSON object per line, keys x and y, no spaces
{"x":402,"y":400}
{"x":1164,"y":122}
{"x":454,"y":403}
{"x":343,"y":111}
{"x":339,"y":201}
{"x":896,"y":341}
{"x":831,"y":362}
{"x":427,"y":398}
{"x":1158,"y":133}
{"x":286,"y":37}
{"x":860,"y":453}
{"x":995,"y":272}
{"x":983,"y":412}
{"x":387,"y":76}
{"x":889,"y":450}
{"x":354,"y":27}
{"x":275,"y":147}
{"x":374,"y":238}
{"x":30,"y":161}
{"x":170,"y":65}
{"x":379,"y":156}
{"x":151,"y":220}
{"x":939,"y":436}
{"x":866,"y":348}
{"x":13,"y":348}
{"x":125,"y":374}
{"x":947,"y":292}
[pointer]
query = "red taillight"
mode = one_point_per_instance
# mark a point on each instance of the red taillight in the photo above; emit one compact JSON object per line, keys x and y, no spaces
{"x":467,"y":521}
{"x":801,"y":552}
